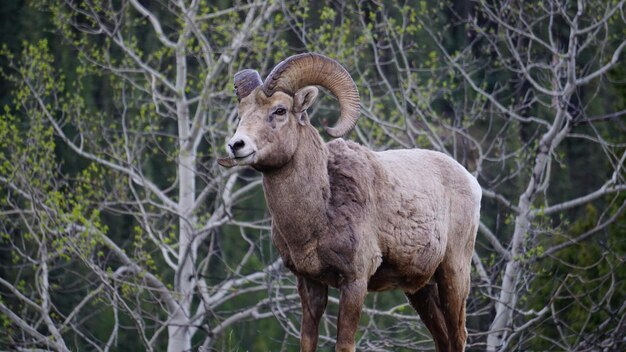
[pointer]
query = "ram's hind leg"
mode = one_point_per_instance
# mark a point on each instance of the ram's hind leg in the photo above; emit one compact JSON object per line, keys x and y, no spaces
{"x":453,"y":281}
{"x":427,"y":304}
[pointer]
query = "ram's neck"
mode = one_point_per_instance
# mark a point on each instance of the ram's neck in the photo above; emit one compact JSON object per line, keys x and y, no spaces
{"x":297,"y":194}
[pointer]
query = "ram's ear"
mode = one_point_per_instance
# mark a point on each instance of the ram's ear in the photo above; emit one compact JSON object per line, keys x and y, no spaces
{"x":302,"y":100}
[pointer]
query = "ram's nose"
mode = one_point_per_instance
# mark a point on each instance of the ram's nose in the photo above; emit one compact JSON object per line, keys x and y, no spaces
{"x":235,"y":145}
{"x":240,"y":146}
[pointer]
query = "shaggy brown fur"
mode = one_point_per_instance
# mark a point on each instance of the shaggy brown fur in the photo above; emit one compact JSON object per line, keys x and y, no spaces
{"x":358,"y":220}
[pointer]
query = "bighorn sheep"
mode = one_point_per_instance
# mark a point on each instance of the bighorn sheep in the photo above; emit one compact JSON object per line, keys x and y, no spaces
{"x":351,"y":218}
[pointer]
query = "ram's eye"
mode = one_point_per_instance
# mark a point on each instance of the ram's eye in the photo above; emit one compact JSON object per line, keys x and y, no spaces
{"x":280,"y":111}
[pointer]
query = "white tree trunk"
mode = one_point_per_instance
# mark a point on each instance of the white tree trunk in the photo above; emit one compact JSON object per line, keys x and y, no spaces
{"x":184,"y":284}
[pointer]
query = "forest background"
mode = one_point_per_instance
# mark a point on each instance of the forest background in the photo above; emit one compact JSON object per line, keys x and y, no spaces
{"x":118,"y":231}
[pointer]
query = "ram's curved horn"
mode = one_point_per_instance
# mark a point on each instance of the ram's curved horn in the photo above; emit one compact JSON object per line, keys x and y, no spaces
{"x":245,"y":82}
{"x":302,"y":70}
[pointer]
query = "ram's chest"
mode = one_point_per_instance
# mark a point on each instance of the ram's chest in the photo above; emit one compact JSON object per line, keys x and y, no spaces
{"x":298,"y":257}
{"x":317,"y":259}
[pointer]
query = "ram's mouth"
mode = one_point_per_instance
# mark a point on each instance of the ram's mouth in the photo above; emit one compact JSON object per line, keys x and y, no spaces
{"x":233,"y":161}
{"x":244,"y":157}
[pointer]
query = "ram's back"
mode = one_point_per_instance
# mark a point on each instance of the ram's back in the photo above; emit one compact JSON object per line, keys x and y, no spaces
{"x":431,"y":201}
{"x":411,"y":206}
{"x":430,"y":172}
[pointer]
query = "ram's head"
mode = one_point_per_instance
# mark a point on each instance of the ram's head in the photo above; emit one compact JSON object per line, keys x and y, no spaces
{"x":271,"y":113}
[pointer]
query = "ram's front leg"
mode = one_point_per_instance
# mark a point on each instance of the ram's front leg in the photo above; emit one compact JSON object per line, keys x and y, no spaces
{"x":314,"y":297}
{"x":352,"y":296}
